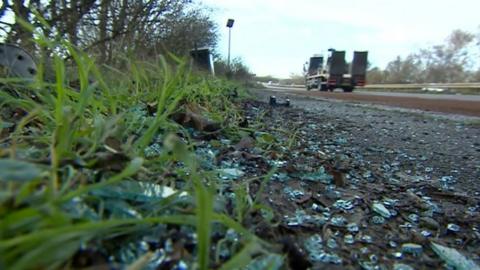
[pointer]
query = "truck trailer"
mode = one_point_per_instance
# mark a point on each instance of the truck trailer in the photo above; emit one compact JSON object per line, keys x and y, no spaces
{"x":336,"y":73}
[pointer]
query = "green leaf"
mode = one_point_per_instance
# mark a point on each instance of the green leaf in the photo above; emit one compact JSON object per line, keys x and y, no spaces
{"x":16,"y":170}
{"x":130,"y":170}
{"x":244,"y":257}
{"x":265,"y":138}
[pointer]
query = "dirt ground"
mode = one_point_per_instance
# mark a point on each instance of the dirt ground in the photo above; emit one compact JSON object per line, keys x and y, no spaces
{"x":463,"y":107}
{"x":368,"y":188}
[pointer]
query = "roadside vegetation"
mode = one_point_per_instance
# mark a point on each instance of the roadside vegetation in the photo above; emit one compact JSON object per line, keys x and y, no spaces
{"x":106,"y":156}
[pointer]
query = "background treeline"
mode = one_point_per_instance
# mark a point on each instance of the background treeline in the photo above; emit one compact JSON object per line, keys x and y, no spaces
{"x":106,"y":29}
{"x":456,"y":60}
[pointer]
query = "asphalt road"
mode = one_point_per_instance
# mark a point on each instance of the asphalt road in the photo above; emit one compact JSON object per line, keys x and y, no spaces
{"x":443,"y":103}
{"x":390,"y":94}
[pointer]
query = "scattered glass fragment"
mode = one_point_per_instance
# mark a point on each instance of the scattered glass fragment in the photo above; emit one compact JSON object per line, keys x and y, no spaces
{"x":181,"y":265}
{"x":326,"y":257}
{"x":339,"y":221}
{"x":454,"y":258}
{"x":341,"y":140}
{"x":343,"y":204}
{"x":413,"y":218}
{"x":232,"y":235}
{"x":447,"y":182}
{"x":319,"y":176}
{"x":397,"y":255}
{"x":453,"y":227}
{"x":401,"y":266}
{"x":353,"y":228}
{"x":331,"y":243}
{"x":293,"y":194}
{"x":411,"y":248}
{"x":231,"y":173}
{"x":168,"y":245}
{"x":406,"y":225}
{"x":393,"y":212}
{"x":369,"y":266}
{"x":390,"y":202}
{"x":348,"y":239}
{"x":316,"y":253}
{"x":426,"y":233}
{"x":366,"y":238}
{"x":270,"y":261}
{"x":380,"y":209}
{"x":378,"y":220}
{"x":301,"y":217}
{"x":316,"y":207}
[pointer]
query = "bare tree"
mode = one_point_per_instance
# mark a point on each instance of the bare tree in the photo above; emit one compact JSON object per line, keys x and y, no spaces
{"x":111,"y":27}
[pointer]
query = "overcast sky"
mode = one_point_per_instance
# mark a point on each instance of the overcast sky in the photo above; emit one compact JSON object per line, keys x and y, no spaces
{"x":275,"y":37}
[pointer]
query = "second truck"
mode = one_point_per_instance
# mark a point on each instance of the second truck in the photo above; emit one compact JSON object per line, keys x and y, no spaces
{"x":336,"y":73}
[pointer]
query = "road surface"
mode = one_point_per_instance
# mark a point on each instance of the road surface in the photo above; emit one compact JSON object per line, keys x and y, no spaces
{"x":452,"y":104}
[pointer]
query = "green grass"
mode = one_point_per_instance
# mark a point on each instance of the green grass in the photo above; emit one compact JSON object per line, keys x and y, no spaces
{"x":72,"y":158}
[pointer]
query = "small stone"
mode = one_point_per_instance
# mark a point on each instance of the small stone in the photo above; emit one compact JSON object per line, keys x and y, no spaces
{"x":429,"y":223}
{"x":412,"y":248}
{"x":427,"y":213}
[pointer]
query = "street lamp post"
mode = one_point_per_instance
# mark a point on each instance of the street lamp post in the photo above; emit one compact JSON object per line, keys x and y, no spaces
{"x":229,"y":25}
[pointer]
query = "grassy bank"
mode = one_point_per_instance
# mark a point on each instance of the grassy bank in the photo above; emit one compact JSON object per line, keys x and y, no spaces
{"x":106,"y":170}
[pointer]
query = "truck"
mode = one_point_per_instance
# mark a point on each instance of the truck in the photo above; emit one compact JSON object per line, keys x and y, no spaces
{"x":336,"y":73}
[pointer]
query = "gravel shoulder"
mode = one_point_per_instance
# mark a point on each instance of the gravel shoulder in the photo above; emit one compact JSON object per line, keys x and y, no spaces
{"x":451,"y":104}
{"x":422,"y":168}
